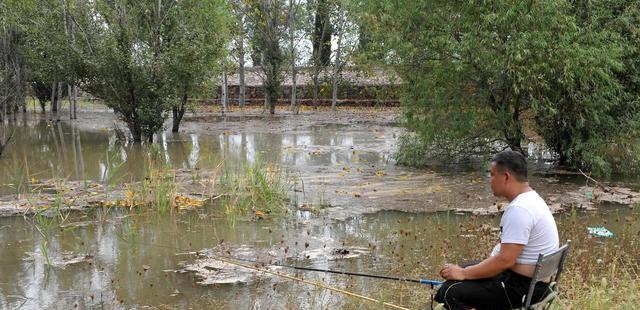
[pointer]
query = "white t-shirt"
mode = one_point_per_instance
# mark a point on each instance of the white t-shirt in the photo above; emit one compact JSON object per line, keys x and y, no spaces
{"x":527,"y":220}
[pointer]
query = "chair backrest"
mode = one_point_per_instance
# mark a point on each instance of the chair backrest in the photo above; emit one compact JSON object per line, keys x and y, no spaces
{"x":550,"y":265}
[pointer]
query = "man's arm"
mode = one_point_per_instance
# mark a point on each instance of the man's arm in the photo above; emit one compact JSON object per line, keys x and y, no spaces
{"x":489,"y":267}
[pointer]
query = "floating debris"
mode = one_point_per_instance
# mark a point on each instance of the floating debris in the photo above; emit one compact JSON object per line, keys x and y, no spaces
{"x":600,"y":232}
{"x":335,"y":253}
{"x":61,"y":261}
{"x":183,"y":202}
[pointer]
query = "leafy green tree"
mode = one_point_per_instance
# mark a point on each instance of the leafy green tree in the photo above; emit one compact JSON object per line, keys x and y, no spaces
{"x":124,"y":62}
{"x":13,"y":73}
{"x":146,"y":57}
{"x":268,"y":19}
{"x":196,"y":33}
{"x":475,"y":74}
{"x":591,"y":116}
{"x":53,"y":57}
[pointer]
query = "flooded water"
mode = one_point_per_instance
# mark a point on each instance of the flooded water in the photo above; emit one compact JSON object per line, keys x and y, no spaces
{"x":131,"y":258}
{"x":115,"y":259}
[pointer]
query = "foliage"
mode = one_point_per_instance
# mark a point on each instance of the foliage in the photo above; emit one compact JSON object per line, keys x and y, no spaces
{"x":141,"y":57}
{"x":473,"y":74}
{"x":12,"y":58}
{"x":591,"y":118}
{"x":268,"y":20}
{"x":196,"y":34}
{"x":124,"y":60}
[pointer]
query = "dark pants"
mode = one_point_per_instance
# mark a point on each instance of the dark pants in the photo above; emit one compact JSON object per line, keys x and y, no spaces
{"x":504,"y":291}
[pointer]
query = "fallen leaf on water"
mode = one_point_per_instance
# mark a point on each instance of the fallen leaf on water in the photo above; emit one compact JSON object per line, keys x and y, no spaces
{"x":184,"y":202}
{"x":380,"y":173}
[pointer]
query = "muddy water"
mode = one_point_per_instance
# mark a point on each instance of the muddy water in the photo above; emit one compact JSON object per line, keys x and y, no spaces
{"x":130,"y":260}
{"x":346,"y":162}
{"x":123,"y":260}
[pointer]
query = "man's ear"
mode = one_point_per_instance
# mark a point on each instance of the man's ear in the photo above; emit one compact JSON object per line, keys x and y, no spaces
{"x":507,"y":175}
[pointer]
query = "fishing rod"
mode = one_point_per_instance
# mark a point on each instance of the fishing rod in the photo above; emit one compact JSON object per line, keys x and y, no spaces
{"x":432,"y":283}
{"x":366,"y":275}
{"x":317,"y":284}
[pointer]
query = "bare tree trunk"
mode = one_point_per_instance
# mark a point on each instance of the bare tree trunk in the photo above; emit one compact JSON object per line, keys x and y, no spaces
{"x":54,"y":100}
{"x":75,"y":102}
{"x":316,"y":86}
{"x":266,"y":102}
{"x":321,"y":38}
{"x":72,"y":90}
{"x":70,"y":101}
{"x":5,"y":102}
{"x":59,"y":96}
{"x":336,"y":67}
{"x":223,"y":100}
{"x":178,"y":113}
{"x":5,"y":75}
{"x":242,"y":90}
{"x":292,"y":47}
{"x":294,"y":87}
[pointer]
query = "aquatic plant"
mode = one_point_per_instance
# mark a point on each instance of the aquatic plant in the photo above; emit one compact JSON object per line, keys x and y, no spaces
{"x":254,"y":187}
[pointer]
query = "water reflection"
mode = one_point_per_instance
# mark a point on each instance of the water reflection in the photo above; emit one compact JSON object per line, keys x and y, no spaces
{"x":45,"y":149}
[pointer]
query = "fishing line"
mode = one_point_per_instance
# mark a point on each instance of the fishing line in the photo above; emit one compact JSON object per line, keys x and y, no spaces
{"x":432,"y":283}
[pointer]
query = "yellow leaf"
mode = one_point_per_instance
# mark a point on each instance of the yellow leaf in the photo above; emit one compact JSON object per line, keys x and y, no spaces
{"x":380,"y":173}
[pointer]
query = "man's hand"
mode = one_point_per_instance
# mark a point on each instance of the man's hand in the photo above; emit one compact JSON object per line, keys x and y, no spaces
{"x":452,"y":272}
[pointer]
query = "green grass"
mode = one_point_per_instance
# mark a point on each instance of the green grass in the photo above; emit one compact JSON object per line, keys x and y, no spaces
{"x":254,"y":188}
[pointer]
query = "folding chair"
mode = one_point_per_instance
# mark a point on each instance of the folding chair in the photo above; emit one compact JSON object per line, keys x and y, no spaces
{"x":548,"y":266}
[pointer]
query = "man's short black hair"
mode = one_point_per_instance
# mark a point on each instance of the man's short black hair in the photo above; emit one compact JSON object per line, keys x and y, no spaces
{"x":512,"y":161}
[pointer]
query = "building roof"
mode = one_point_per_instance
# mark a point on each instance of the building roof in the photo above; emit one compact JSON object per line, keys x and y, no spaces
{"x":254,"y":76}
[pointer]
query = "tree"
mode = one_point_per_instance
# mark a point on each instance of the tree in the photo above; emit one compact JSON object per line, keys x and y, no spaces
{"x":239,"y":34}
{"x":195,"y":33}
{"x":322,"y":31}
{"x":591,"y":119}
{"x":267,"y":19}
{"x":346,"y":44}
{"x":293,"y":9}
{"x":52,"y":57}
{"x":474,"y":74}
{"x":124,"y":62}
{"x":321,"y":34}
{"x":12,"y":60}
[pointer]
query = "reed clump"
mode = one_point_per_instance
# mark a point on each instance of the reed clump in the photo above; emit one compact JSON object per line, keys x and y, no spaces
{"x":254,"y":189}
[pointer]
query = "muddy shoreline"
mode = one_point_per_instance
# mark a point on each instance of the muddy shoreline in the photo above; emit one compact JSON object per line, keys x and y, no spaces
{"x":342,"y":161}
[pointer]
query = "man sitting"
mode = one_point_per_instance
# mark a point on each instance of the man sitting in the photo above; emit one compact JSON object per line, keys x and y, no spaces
{"x":527,"y":229}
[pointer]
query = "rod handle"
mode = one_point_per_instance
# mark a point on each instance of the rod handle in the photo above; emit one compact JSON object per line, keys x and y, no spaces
{"x":431,"y":282}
